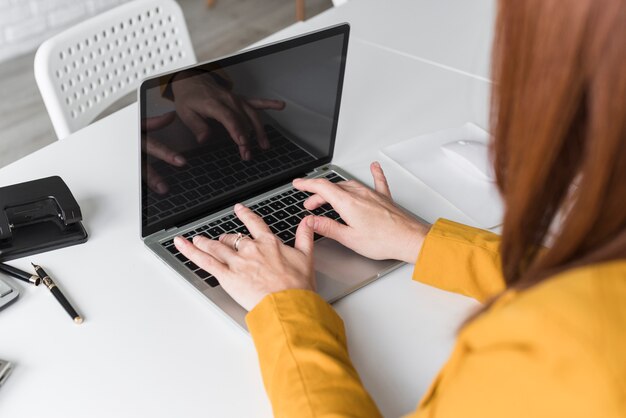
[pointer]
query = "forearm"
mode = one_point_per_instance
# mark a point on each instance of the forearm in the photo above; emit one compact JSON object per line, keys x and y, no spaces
{"x":304,"y":358}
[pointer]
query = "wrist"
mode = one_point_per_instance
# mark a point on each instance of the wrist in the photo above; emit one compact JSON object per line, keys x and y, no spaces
{"x":416,"y":235}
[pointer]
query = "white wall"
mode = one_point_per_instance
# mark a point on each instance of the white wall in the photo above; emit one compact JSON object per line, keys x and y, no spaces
{"x":25,"y":24}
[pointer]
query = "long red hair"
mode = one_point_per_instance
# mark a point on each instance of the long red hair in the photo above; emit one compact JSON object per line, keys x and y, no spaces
{"x":559,"y":125}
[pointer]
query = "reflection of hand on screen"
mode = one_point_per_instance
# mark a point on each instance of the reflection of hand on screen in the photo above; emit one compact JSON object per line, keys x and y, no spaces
{"x":157,"y":149}
{"x":200,"y":97}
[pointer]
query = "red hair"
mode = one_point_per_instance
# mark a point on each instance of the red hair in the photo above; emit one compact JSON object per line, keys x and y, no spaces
{"x":559,"y":125}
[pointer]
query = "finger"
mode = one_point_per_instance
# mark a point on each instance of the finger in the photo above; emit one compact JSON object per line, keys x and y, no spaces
{"x":332,"y":229}
{"x":330,"y":192}
{"x":155,"y":181}
{"x":304,"y":236}
{"x":161,"y":151}
{"x":261,"y":136}
{"x":252,"y":221}
{"x":235,"y":124}
{"x":158,"y":122}
{"x":230,"y":239}
{"x":218,"y":250}
{"x":196,"y":255}
{"x":270,"y":104}
{"x":380,"y":181}
{"x":314,"y":202}
{"x":197,"y":124}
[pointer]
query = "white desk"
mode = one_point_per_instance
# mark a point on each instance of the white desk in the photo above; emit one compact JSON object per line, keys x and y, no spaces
{"x":150,"y":345}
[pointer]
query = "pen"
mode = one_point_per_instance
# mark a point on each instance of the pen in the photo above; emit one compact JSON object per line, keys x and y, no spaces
{"x":19,"y":274}
{"x":47,"y":281}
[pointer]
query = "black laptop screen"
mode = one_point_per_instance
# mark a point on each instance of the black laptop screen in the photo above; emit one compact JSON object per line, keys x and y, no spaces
{"x":215,"y":133}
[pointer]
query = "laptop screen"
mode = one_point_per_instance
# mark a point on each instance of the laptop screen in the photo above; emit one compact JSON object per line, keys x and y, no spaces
{"x":222,"y":131}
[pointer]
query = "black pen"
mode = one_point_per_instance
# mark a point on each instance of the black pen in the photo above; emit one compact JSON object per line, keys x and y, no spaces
{"x":19,"y":274}
{"x":47,"y":281}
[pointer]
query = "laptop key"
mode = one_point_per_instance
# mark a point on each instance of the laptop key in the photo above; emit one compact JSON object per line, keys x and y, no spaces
{"x":281,"y":214}
{"x":277,"y":205}
{"x":242,"y":230}
{"x":289,"y":200}
{"x":265,"y":210}
{"x":301,"y":195}
{"x":293,"y":209}
{"x":269,"y":219}
{"x":228,"y":225}
{"x":281,"y":225}
{"x":191,"y":266}
{"x":285,"y":235}
{"x":293,"y":220}
{"x":290,"y":242}
{"x":215,"y":232}
{"x":211,"y":281}
{"x":181,"y":257}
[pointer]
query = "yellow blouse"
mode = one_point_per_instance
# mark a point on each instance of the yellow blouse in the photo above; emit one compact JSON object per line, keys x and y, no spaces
{"x":555,"y":350}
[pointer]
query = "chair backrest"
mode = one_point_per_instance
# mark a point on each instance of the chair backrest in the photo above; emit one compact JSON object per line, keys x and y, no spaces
{"x":83,"y":70}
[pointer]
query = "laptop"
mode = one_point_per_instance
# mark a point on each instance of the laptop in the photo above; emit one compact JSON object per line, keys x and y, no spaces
{"x":196,"y":113}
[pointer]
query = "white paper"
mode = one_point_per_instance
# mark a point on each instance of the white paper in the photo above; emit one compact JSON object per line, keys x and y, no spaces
{"x":423,"y":158}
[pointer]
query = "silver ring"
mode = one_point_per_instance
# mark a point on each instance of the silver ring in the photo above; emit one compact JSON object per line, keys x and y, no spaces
{"x":240,"y":236}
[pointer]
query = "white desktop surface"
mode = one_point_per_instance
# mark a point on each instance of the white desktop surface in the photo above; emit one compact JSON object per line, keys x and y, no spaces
{"x":151,"y":346}
{"x":453,"y":34}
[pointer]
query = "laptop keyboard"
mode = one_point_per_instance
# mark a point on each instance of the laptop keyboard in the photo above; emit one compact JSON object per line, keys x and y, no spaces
{"x":282,"y":212}
{"x":212,"y":172}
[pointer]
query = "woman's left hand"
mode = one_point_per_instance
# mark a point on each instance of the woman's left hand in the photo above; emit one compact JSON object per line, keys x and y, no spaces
{"x":259,"y":266}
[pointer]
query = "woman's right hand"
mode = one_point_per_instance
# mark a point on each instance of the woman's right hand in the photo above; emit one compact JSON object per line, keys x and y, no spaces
{"x":375,"y":227}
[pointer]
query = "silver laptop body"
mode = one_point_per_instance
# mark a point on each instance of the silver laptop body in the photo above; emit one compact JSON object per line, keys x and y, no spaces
{"x":306,"y":73}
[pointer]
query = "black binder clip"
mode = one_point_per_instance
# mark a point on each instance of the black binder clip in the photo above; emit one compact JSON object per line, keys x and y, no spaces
{"x":38,"y":216}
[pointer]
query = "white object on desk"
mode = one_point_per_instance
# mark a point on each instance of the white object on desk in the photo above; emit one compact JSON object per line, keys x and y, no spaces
{"x":7,"y":293}
{"x":85,"y":69}
{"x":471,"y":157}
{"x":454,"y":164}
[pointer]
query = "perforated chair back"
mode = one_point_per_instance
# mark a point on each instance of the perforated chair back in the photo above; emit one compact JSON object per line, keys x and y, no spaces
{"x":83,"y":70}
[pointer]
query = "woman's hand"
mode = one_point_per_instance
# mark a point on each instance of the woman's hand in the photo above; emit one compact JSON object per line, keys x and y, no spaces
{"x":200,"y":98}
{"x":375,"y":226}
{"x":156,"y":149}
{"x":258,"y":266}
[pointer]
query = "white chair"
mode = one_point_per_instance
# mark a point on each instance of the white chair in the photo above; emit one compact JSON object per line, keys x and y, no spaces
{"x":83,"y":70}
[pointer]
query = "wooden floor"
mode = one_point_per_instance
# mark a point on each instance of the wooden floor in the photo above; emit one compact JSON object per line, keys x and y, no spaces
{"x":230,"y":25}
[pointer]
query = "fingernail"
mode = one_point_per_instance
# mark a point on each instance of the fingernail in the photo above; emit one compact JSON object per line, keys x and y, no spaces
{"x":195,"y":238}
{"x":179,"y":241}
{"x":238,"y":206}
{"x":376,"y":164}
{"x":248,"y":155}
{"x":296,"y":180}
{"x":310,"y":222}
{"x":180,"y":160}
{"x":161,"y":187}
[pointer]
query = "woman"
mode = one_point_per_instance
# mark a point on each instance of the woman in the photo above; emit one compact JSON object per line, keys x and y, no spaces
{"x":550,"y":340}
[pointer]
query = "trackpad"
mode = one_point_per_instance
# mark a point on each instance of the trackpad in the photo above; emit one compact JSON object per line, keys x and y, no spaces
{"x":340,"y":270}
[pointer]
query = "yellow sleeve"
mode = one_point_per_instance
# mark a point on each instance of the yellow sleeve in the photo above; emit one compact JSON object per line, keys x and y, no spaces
{"x":548,"y":352}
{"x":304,"y":359}
{"x":461,"y":259}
